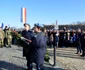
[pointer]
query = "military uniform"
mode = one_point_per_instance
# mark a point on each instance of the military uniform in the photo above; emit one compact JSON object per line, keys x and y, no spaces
{"x":1,"y":38}
{"x":28,"y":35}
{"x":5,"y":38}
{"x":38,"y":48}
{"x":27,"y":49}
{"x":9,"y":36}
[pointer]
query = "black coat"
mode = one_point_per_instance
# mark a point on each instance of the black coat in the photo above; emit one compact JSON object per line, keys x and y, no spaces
{"x":55,"y":39}
{"x":78,"y":39}
{"x":28,"y":35}
{"x":39,"y":48}
{"x":83,"y":41}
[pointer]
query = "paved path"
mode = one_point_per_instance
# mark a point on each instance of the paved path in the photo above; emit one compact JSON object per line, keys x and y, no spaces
{"x":68,"y":58}
{"x":11,"y":59}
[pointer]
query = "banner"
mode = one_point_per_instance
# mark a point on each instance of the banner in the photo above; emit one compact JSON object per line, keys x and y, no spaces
{"x":23,"y":15}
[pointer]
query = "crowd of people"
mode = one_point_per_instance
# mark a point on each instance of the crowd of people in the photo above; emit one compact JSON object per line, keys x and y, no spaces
{"x":39,"y":38}
{"x":35,"y":51}
{"x":68,"y":38}
{"x":61,"y":38}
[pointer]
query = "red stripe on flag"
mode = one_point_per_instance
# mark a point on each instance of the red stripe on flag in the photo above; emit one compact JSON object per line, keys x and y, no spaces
{"x":25,"y":15}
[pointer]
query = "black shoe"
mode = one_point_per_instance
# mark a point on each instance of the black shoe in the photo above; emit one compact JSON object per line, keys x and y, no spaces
{"x":1,"y":46}
{"x":42,"y":69}
{"x":10,"y":46}
{"x":26,"y":69}
{"x":82,"y":55}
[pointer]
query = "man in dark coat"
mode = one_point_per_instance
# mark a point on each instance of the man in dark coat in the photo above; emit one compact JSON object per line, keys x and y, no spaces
{"x":28,"y":35}
{"x":38,"y":47}
{"x":50,"y":38}
{"x":83,"y":43}
{"x":78,"y":40}
{"x":64,"y":39}
{"x":55,"y":38}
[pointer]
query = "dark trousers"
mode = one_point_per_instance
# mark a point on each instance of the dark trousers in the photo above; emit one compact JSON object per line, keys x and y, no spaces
{"x":64,"y":43}
{"x":39,"y":67}
{"x":5,"y":41}
{"x":30,"y":66}
{"x":83,"y":52}
{"x":56,"y":44}
{"x":79,"y":49}
{"x":51,"y":44}
{"x":29,"y":63}
{"x":83,"y":48}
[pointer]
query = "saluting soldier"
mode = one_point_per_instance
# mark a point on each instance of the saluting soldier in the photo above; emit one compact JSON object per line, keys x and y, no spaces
{"x":1,"y":37}
{"x":9,"y":36}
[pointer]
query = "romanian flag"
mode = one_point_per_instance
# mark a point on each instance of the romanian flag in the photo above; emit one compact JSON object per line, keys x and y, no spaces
{"x":23,"y":15}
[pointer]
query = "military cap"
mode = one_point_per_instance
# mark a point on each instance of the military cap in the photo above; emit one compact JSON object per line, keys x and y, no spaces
{"x":38,"y":25}
{"x":26,"y":24}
